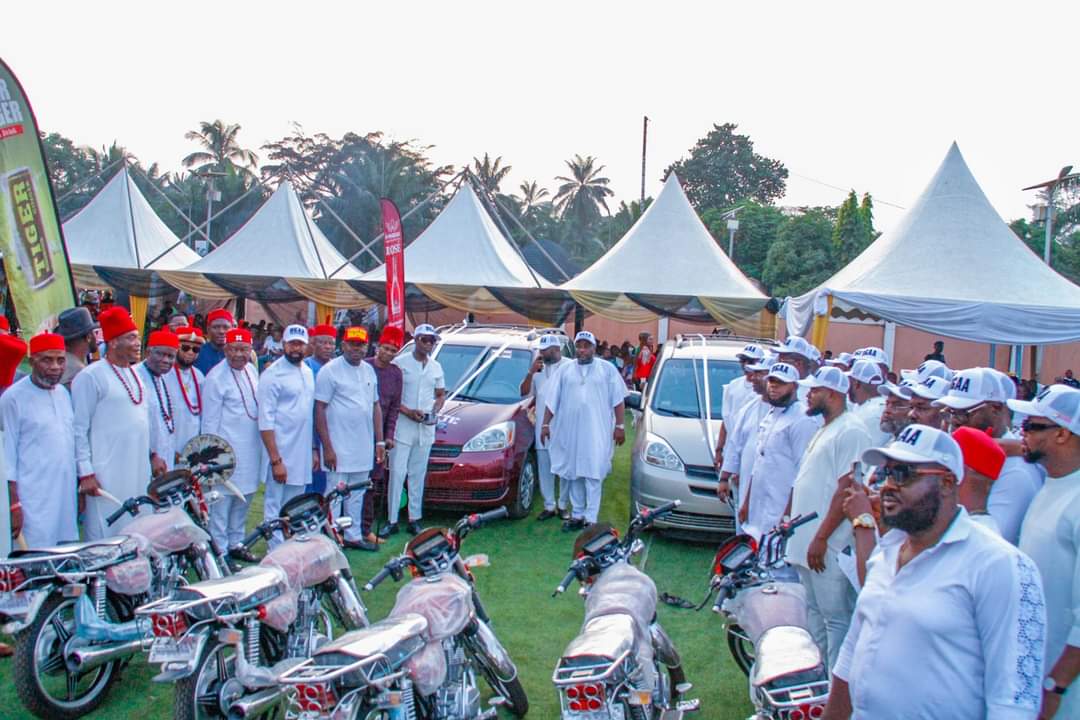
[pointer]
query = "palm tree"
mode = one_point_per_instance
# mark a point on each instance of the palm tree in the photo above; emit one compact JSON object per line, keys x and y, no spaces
{"x":530,"y":197}
{"x":583,"y":193}
{"x":220,"y":149}
{"x":490,"y":172}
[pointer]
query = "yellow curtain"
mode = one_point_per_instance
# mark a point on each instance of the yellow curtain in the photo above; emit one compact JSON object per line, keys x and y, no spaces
{"x":323,"y":313}
{"x":464,"y":297}
{"x":138,"y":311}
{"x":335,"y":293}
{"x":613,"y":306}
{"x":820,"y":329}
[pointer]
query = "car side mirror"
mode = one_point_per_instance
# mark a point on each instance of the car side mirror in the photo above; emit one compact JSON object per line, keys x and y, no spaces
{"x":633,"y":400}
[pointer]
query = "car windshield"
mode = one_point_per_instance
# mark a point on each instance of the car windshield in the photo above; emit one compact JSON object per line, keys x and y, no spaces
{"x":678,"y":394}
{"x":499,"y":382}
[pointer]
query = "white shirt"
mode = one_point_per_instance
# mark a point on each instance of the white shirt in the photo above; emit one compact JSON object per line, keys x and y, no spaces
{"x":286,"y":395}
{"x":419,"y":381}
{"x":870,"y":413}
{"x":1011,"y":494}
{"x":112,"y":439}
{"x":350,"y":393}
{"x":956,"y":633}
{"x":39,"y":457}
{"x":162,"y":408}
{"x":231,"y":411}
{"x":740,"y":447}
{"x":828,"y":456}
{"x":541,"y":382}
{"x":581,"y":401}
{"x":736,"y":393}
{"x":1051,"y":536}
{"x":185,"y":389}
{"x":783,"y":435}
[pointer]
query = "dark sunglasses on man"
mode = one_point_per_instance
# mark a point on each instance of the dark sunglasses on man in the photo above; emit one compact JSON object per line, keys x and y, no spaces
{"x":1030,"y":426}
{"x":903,"y":474}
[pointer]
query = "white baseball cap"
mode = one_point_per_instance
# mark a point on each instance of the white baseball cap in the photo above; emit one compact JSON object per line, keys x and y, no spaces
{"x":763,"y":364}
{"x":783,"y":372}
{"x":972,"y":387}
{"x":1059,"y":403}
{"x":920,"y":444}
{"x":843,"y":358}
{"x":829,"y":377}
{"x":549,"y":341}
{"x":295,"y":332}
{"x":933,"y":388}
{"x":425,"y":329}
{"x":930,"y":368}
{"x":751,"y":352}
{"x":874,"y":354}
{"x":866,"y":371}
{"x":1008,"y":387}
{"x":797,"y":346}
{"x":901,"y":389}
{"x":587,"y":336}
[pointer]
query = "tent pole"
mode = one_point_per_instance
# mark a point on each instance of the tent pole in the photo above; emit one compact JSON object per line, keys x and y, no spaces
{"x":181,"y":213}
{"x":506,"y":232}
{"x":566,"y":276}
{"x":86,"y":180}
{"x":993,"y":352}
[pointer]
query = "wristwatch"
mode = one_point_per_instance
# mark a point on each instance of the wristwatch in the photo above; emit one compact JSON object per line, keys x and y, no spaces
{"x":866,"y":520}
{"x":1050,"y":685}
{"x":620,"y":426}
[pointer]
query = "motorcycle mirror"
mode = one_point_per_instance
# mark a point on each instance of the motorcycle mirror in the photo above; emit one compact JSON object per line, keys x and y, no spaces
{"x":476,"y":561}
{"x":343,"y":523}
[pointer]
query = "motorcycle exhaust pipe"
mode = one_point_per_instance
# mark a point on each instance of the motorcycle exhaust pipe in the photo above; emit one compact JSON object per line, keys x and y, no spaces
{"x":87,"y":658}
{"x":255,"y":704}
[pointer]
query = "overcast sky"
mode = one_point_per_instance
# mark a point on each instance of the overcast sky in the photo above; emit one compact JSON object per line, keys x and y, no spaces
{"x":854,"y":95}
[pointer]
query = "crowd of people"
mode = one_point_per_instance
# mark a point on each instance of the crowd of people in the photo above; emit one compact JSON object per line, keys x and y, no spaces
{"x":943,"y":556}
{"x":945,"y":552}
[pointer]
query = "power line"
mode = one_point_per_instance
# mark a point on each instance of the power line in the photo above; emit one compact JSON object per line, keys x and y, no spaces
{"x":841,"y":189}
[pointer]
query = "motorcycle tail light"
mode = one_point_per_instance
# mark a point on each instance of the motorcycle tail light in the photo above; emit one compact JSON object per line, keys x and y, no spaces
{"x":315,"y":697}
{"x":796,"y":714}
{"x":584,"y":697}
{"x":817,"y":711}
{"x":11,"y":578}
{"x":168,"y":625}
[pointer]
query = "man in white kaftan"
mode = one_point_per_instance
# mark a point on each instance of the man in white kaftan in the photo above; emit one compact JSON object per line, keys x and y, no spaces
{"x":537,"y":384}
{"x":112,"y":426}
{"x":584,"y":420}
{"x":161,"y":350}
{"x":286,"y":423}
{"x":231,"y":411}
{"x":39,"y":446}
{"x":185,"y":387}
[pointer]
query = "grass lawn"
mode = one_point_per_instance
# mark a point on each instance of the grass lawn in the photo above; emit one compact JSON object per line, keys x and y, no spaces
{"x":527,"y":560}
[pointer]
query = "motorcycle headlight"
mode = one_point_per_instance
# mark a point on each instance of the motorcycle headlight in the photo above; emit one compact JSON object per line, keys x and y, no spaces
{"x":496,"y":437}
{"x":657,"y":452}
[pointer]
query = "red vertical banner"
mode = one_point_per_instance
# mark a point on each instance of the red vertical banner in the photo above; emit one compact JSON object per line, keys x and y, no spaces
{"x":394,"y":258}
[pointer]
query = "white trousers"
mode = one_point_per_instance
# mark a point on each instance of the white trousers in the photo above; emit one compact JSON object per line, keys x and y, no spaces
{"x":277,"y":494}
{"x":407,"y":461}
{"x":585,"y":499}
{"x":227,"y":520}
{"x":547,"y":483}
{"x":353,"y":504}
{"x":830,"y":603}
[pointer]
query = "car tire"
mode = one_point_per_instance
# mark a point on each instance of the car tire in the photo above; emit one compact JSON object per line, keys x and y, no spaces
{"x":524,"y":491}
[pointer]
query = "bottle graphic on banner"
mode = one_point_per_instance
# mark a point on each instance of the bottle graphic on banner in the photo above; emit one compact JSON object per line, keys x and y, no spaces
{"x":394,"y":259}
{"x":395,"y":294}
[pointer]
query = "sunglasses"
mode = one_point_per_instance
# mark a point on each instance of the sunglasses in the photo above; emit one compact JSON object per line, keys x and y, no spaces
{"x":189,"y":348}
{"x":964,"y":414}
{"x":425,"y":339}
{"x":903,"y":475}
{"x":1029,"y":427}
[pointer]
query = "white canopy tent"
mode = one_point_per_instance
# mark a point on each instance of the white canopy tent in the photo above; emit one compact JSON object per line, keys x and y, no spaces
{"x":952,"y":267}
{"x":272,"y":257}
{"x":665,"y":261}
{"x":118,"y":230}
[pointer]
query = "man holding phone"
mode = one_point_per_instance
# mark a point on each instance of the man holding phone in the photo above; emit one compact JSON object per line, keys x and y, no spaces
{"x":423,"y":392}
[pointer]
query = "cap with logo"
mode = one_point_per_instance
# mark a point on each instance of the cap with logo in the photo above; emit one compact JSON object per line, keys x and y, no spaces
{"x":1057,"y":403}
{"x":356,"y":333}
{"x":295,"y":332}
{"x":549,"y":341}
{"x":763,"y":364}
{"x":920,"y":444}
{"x":783,"y":372}
{"x":930,"y":368}
{"x":425,"y":329}
{"x":1008,"y":386}
{"x":586,"y":336}
{"x":238,"y":335}
{"x":829,"y":377}
{"x":796,"y":345}
{"x":901,"y":389}
{"x":874,"y":354}
{"x":751,"y":352}
{"x":866,"y":371}
{"x":933,"y":388}
{"x":972,"y":387}
{"x":843,"y":358}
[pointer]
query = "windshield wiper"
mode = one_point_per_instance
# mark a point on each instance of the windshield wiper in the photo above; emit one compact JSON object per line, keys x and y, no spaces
{"x":678,"y":413}
{"x":471,"y":398}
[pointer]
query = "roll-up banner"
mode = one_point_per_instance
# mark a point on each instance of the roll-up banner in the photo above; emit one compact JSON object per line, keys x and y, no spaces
{"x":394,"y":259}
{"x":38,"y":275}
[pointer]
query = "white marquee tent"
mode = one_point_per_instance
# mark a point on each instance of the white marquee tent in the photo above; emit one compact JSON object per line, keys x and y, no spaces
{"x":952,"y":267}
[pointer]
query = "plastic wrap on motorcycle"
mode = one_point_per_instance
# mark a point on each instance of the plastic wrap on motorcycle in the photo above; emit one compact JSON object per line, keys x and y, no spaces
{"x":784,"y":652}
{"x":170,"y":531}
{"x":307,"y":561}
{"x":446,"y":603}
{"x":763,"y":607}
{"x":131,"y":577}
{"x":91,"y":627}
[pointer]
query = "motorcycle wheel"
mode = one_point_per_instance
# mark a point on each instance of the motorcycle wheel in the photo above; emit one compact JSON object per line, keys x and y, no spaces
{"x":517,"y":702}
{"x":198,"y":696}
{"x":42,"y":680}
{"x":742,"y":650}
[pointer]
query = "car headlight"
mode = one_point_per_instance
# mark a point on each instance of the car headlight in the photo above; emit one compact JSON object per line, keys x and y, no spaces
{"x":496,"y":437}
{"x":657,"y":452}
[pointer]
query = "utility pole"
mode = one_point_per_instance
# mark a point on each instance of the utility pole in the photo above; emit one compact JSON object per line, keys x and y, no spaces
{"x":644,"y":145}
{"x":1049,"y":187}
{"x":211,"y":196}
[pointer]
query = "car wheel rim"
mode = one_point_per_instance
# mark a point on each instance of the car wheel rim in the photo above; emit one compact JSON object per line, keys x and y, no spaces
{"x":527,"y":485}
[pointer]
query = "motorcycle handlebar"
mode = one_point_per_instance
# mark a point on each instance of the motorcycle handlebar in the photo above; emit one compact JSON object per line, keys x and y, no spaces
{"x":800,"y":520}
{"x":212,"y":469}
{"x":565,"y":583}
{"x":253,"y":538}
{"x":648,"y":515}
{"x":479,"y":519}
{"x":131,"y":505}
{"x":379,"y":577}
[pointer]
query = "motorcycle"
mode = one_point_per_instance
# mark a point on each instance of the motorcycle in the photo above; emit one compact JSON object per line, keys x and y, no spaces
{"x":622,"y":665}
{"x":767,"y":630}
{"x":421,"y":662}
{"x":224,"y":641}
{"x":71,"y":606}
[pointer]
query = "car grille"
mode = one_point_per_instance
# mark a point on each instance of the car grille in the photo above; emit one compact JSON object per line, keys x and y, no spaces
{"x":451,"y":495}
{"x":706,"y":472}
{"x":445,"y":451}
{"x":440,"y":467}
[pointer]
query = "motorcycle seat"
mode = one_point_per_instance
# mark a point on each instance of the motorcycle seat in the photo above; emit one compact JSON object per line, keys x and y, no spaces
{"x":70,"y":548}
{"x":783,"y":651}
{"x":606,"y":636}
{"x":387,"y":637}
{"x":254,"y":581}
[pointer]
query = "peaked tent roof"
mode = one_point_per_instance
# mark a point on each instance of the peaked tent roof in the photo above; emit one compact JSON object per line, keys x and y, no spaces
{"x":118,"y":229}
{"x":953,"y":267}
{"x":666,"y":260}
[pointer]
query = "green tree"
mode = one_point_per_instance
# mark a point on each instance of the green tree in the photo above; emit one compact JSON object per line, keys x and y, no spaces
{"x":801,"y":258}
{"x":531,"y":196}
{"x":854,"y":229}
{"x":759,"y":227}
{"x":583,"y":193}
{"x":220,"y":149}
{"x":723,"y":170}
{"x":490,"y":172}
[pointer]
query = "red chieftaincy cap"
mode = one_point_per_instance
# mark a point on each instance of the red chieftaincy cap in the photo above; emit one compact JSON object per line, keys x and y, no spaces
{"x":115,"y":321}
{"x":392,"y":335}
{"x":164,"y":338}
{"x":323,"y":331}
{"x":4,"y":323}
{"x":12,"y":351}
{"x":46,"y":341}
{"x":238,"y":335}
{"x":219,"y":314}
{"x":981,"y":452}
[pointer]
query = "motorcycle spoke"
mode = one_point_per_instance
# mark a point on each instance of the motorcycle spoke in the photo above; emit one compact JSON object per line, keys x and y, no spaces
{"x":53,"y":664}
{"x":61,"y":630}
{"x":72,"y":686}
{"x":208,"y":702}
{"x":222,"y":668}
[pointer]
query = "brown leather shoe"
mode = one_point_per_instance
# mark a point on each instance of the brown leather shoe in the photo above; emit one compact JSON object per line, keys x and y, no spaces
{"x":6,"y":650}
{"x":373,"y":538}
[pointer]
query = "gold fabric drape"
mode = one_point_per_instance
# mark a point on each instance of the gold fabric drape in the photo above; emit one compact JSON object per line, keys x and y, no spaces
{"x":462,"y":297}
{"x":820,"y":329}
{"x":194,"y":284}
{"x":335,"y":293}
{"x":139,"y":306}
{"x":614,"y":307}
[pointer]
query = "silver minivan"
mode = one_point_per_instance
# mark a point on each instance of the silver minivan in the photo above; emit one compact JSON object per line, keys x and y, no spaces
{"x":672,"y":456}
